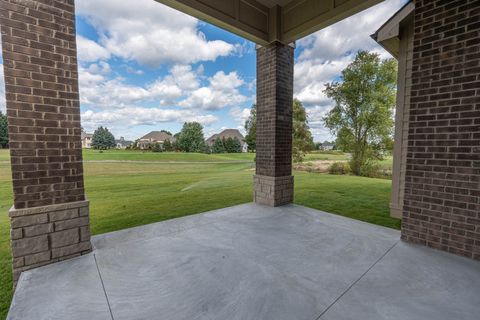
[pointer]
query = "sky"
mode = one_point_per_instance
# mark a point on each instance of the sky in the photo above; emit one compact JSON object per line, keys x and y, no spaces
{"x":144,"y":66}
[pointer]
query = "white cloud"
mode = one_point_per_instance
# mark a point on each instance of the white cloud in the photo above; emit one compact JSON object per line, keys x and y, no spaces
{"x":240,"y":115}
{"x":117,"y":104}
{"x":118,"y":120}
{"x":99,"y":68}
{"x":349,"y":35}
{"x":89,"y":51}
{"x":150,"y":33}
{"x":134,"y":71}
{"x":96,"y":90}
{"x":222,"y":91}
{"x":324,"y":54}
{"x":181,"y":83}
{"x":311,"y":77}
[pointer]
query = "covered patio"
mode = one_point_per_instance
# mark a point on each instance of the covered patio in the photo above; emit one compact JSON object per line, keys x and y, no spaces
{"x":270,"y":259}
{"x":253,"y":262}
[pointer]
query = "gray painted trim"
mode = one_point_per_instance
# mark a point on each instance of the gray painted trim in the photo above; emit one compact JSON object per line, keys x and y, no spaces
{"x":401,"y":119}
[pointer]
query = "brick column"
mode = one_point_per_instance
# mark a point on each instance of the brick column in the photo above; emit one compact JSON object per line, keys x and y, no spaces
{"x":442,"y":192}
{"x":49,"y":219}
{"x":273,"y":182}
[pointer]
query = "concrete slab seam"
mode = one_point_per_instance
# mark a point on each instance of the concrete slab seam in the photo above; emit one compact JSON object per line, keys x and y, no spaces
{"x":103,"y":286}
{"x":356,"y":281}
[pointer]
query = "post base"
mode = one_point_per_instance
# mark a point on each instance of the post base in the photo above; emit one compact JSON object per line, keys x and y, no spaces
{"x":47,"y":234}
{"x":273,"y":191}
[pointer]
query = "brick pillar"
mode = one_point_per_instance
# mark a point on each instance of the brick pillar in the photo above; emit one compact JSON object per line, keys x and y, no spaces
{"x":442,"y":192}
{"x":273,"y":180}
{"x":50,"y":216}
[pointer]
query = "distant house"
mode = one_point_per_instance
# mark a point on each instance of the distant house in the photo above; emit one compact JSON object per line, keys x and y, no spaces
{"x":87,"y":140}
{"x":122,"y":143}
{"x":154,"y":137}
{"x":228,"y":133}
{"x":327,"y":146}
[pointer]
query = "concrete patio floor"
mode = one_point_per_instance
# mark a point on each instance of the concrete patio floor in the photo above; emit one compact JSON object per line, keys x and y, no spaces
{"x":253,"y":262}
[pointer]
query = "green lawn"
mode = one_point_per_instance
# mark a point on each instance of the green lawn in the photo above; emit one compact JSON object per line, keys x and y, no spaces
{"x":133,"y":155}
{"x":129,"y":194}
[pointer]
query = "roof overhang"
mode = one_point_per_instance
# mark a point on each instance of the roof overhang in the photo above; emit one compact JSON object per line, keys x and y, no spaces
{"x":268,"y":21}
{"x":388,"y":36}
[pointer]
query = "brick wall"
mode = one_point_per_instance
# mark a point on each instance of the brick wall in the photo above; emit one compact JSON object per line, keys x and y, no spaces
{"x":50,"y":217}
{"x":442,"y":190}
{"x":273,"y":180}
{"x":41,"y":77}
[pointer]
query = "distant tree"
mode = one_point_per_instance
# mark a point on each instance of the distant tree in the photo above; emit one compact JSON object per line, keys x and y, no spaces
{"x":302,"y":136}
{"x":191,"y":138}
{"x":3,"y":131}
{"x":167,"y":145}
{"x":167,"y":132}
{"x":103,"y":139}
{"x":251,"y":129}
{"x":232,"y":145}
{"x":218,"y":146}
{"x":362,"y":117}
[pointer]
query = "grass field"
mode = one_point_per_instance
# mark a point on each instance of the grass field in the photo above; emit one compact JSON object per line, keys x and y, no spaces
{"x":166,"y":185}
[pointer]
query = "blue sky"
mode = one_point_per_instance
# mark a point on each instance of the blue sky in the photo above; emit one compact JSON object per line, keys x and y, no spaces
{"x":144,"y":67}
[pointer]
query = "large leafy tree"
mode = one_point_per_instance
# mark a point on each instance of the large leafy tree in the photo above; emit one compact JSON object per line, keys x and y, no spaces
{"x":302,"y":137}
{"x":3,"y":131}
{"x":251,"y":129}
{"x":103,"y":139}
{"x":191,"y":137}
{"x":362,"y":118}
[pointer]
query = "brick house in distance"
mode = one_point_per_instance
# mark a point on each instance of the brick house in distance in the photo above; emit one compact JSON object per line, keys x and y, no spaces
{"x":154,"y":137}
{"x":228,"y":133}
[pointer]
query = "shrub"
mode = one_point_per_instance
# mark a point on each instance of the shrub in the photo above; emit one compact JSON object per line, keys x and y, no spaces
{"x":339,"y":168}
{"x":373,"y":169}
{"x":156,"y":147}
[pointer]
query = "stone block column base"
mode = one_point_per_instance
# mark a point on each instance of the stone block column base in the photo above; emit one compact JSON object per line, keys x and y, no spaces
{"x":43,"y":235}
{"x":273,"y":191}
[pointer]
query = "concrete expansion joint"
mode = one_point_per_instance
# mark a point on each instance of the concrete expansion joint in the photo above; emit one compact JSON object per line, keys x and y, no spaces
{"x":356,"y":281}
{"x":103,"y":286}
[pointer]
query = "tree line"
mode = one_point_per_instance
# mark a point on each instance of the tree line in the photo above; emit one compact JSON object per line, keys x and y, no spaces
{"x":189,"y":139}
